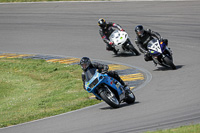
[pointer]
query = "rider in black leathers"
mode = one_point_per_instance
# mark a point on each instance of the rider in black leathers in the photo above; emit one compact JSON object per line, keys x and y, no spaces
{"x":105,"y":31}
{"x":142,"y":39}
{"x":86,"y":64}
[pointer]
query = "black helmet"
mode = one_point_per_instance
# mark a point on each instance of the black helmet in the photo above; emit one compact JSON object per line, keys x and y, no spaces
{"x":102,"y":22}
{"x":139,"y":30}
{"x":85,"y":63}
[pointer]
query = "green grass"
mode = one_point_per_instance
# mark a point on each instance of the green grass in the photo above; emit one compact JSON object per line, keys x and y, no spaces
{"x":33,"y":89}
{"x":182,"y":129}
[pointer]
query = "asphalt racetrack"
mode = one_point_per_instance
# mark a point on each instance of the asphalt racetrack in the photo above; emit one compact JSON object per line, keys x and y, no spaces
{"x":170,"y":99}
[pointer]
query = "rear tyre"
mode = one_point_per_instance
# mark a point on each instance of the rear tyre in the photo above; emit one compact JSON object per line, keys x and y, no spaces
{"x":130,"y":97}
{"x":109,"y":97}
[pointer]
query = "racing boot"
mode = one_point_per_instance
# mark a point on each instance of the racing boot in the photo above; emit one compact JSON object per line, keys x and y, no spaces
{"x":126,"y":88}
{"x":170,"y":51}
{"x":115,"y":51}
{"x":155,"y":64}
{"x":97,"y":98}
{"x":165,"y":41}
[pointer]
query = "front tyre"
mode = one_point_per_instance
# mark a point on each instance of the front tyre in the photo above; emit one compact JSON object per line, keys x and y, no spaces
{"x":109,"y":97}
{"x":169,"y":62}
{"x":133,"y":50}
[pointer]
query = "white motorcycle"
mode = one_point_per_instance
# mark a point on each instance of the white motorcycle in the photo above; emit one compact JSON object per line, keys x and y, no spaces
{"x":122,"y":43}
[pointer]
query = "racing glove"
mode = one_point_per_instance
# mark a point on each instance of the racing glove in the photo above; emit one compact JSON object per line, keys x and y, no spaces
{"x":147,"y":53}
{"x":104,"y":71}
{"x":111,"y":43}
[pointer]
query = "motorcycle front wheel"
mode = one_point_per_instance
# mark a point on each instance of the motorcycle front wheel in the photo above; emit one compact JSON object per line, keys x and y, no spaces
{"x":133,"y":50}
{"x":109,"y":97}
{"x":169,"y":62}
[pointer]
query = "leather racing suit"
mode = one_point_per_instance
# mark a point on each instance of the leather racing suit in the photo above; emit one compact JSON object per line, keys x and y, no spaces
{"x":106,"y":31}
{"x":142,"y":42}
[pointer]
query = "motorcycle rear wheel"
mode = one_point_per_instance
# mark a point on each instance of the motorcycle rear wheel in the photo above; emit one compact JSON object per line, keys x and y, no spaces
{"x":130,"y":97}
{"x":109,"y":97}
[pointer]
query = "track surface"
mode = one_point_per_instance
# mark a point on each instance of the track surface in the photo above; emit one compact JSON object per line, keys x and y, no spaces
{"x":70,"y":29}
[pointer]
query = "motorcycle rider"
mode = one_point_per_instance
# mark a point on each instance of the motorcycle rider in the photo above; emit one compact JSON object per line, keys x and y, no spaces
{"x":87,"y":64}
{"x":106,"y":30}
{"x":142,"y":39}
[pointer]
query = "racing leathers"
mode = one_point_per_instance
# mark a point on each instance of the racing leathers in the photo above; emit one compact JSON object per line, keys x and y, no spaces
{"x":106,"y":31}
{"x":102,"y":69}
{"x":142,"y":42}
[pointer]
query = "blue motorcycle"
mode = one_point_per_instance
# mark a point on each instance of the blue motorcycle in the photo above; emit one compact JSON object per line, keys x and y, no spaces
{"x":107,"y":88}
{"x":160,"y":53}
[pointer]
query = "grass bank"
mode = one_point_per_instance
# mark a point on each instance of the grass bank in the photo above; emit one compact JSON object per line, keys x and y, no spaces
{"x":182,"y":129}
{"x":33,"y":89}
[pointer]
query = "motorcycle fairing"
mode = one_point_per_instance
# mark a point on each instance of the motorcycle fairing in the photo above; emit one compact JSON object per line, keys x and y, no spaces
{"x":155,"y":47}
{"x":98,"y":79}
{"x":118,"y":37}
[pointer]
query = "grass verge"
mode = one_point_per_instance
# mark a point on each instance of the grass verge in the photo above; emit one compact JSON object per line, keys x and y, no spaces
{"x":182,"y":129}
{"x":33,"y":89}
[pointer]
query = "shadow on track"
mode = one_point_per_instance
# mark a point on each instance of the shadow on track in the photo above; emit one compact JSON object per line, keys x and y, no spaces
{"x":125,"y":55}
{"x":160,"y":68}
{"x":121,"y":106}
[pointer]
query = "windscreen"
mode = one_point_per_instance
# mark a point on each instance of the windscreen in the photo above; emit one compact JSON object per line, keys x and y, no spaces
{"x":152,"y":44}
{"x":89,"y":74}
{"x":153,"y":41}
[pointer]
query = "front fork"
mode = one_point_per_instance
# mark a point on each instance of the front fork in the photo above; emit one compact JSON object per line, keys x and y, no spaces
{"x":126,"y":44}
{"x":159,"y":59}
{"x":169,"y":50}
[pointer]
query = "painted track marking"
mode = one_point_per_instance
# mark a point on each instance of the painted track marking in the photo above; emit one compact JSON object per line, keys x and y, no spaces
{"x":126,"y":76}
